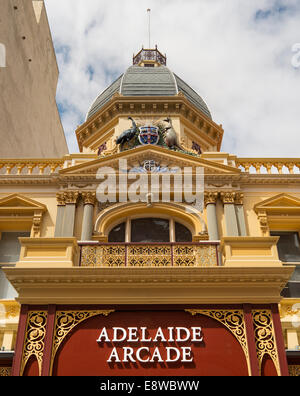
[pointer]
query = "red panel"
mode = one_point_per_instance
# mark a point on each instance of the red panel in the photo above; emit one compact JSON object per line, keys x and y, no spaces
{"x":31,"y":368}
{"x":251,"y":340}
{"x":219,"y":354}
{"x":20,"y":341}
{"x":48,"y":340}
{"x":268,"y":368}
{"x":279,"y":341}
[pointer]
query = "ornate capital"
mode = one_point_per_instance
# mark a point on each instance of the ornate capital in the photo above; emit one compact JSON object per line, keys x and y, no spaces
{"x":210,"y":197}
{"x":88,"y":197}
{"x":239,"y":198}
{"x":228,"y":197}
{"x":71,"y":197}
{"x":60,"y":199}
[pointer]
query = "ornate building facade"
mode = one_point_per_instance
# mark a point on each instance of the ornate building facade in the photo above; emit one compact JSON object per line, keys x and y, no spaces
{"x":151,"y":252}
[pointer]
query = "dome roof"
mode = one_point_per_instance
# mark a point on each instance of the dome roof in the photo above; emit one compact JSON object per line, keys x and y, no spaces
{"x":148,"y":81}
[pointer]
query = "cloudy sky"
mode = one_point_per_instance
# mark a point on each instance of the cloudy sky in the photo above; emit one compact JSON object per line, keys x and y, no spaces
{"x":241,"y":56}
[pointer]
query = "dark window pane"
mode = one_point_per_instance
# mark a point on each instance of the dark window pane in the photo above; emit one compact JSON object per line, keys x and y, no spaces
{"x":117,"y":234}
{"x":10,"y":246}
{"x":150,"y":230}
{"x":288,"y":246}
{"x":292,"y":289}
{"x":182,"y":234}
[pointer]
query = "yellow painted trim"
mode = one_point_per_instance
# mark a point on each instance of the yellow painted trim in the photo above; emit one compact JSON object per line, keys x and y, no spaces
{"x":166,"y":154}
{"x":288,"y":204}
{"x":149,"y":285}
{"x":118,"y":213}
{"x":48,"y":252}
{"x":250,"y":251}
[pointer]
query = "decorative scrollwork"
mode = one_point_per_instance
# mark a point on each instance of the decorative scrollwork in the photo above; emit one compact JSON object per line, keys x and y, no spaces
{"x":234,"y":321}
{"x":294,"y":370}
{"x":65,"y":321}
{"x":5,"y":371}
{"x":152,"y":255}
{"x":103,"y":256}
{"x":149,"y":256}
{"x":34,"y":338}
{"x":264,"y":337}
{"x":195,"y":256}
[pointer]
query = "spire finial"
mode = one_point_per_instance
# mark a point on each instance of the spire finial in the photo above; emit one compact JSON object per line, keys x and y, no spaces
{"x":149,"y":25}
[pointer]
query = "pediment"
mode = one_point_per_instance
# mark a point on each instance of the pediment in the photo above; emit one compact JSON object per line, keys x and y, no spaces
{"x":280,"y":203}
{"x":162,"y":156}
{"x":18,"y":203}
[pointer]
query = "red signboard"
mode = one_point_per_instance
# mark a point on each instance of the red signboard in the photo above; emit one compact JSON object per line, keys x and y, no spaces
{"x":150,"y":343}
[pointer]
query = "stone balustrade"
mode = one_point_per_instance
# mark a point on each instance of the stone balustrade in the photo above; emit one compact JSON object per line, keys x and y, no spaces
{"x":30,"y":167}
{"x":269,"y":165}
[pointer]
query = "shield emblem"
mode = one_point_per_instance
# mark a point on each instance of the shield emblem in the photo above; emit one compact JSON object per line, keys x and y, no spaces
{"x":148,"y":135}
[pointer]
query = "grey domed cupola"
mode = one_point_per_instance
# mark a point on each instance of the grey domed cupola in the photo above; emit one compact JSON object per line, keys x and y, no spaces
{"x":149,"y":76}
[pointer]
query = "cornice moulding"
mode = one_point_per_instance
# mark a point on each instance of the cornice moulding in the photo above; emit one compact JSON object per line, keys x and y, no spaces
{"x":126,"y":105}
{"x":149,"y":285}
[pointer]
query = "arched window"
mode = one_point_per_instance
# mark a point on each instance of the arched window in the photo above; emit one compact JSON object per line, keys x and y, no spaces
{"x":150,"y":230}
{"x":117,"y":234}
{"x":182,"y":234}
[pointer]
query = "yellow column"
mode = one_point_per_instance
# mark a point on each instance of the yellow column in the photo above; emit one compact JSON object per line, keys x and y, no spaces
{"x":89,"y":199}
{"x":230,"y":214}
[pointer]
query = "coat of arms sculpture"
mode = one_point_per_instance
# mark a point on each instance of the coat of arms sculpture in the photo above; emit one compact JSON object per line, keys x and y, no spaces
{"x":149,"y":135}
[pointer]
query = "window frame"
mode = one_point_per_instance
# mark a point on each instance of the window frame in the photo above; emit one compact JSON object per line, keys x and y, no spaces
{"x":172,"y":225}
{"x":284,"y":231}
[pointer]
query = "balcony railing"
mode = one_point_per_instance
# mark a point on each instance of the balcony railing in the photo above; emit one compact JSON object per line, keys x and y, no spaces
{"x":150,"y":55}
{"x":112,"y":255}
{"x":30,"y":167}
{"x":269,"y":165}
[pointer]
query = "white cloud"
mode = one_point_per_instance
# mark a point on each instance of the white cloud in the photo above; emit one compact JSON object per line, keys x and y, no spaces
{"x":236,"y":54}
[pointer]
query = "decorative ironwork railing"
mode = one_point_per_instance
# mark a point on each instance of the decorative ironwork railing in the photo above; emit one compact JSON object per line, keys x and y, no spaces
{"x":112,"y":255}
{"x":269,"y":165}
{"x":150,"y":55}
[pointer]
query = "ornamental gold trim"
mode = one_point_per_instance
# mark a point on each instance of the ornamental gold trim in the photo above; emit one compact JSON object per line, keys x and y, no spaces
{"x":89,"y":198}
{"x":265,"y":338}
{"x":34,"y":338}
{"x":294,"y":370}
{"x":234,"y":321}
{"x":65,"y":321}
{"x":11,"y":309}
{"x":5,"y":371}
{"x":228,"y":197}
{"x":210,"y":197}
